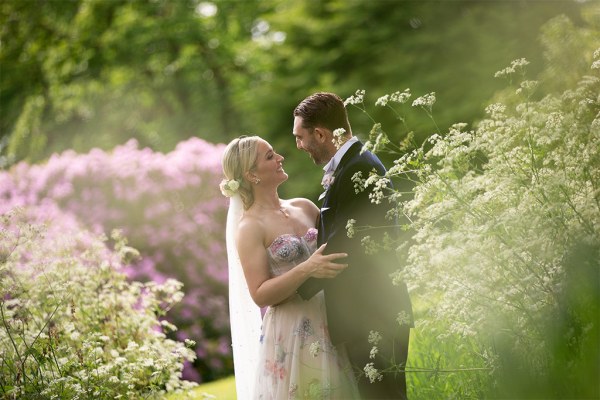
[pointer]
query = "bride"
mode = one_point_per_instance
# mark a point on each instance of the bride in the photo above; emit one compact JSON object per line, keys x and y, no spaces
{"x":272,"y":251}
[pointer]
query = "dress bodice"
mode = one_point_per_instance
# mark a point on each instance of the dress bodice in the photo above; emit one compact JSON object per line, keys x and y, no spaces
{"x":289,"y":250}
{"x":296,"y":356}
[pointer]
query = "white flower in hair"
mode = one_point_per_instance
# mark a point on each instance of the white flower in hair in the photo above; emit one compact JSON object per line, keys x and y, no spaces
{"x":229,"y":187}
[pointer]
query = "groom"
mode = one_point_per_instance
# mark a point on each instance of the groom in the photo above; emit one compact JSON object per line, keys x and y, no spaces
{"x":362,"y":298}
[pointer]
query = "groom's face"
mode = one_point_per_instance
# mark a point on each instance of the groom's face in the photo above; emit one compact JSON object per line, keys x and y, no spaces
{"x":307,"y":141}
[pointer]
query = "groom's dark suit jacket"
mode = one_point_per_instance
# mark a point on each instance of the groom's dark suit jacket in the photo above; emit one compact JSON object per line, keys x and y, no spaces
{"x":361,"y":298}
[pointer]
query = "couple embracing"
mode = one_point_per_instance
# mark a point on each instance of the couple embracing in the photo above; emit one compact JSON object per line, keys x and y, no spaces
{"x":331,"y":322}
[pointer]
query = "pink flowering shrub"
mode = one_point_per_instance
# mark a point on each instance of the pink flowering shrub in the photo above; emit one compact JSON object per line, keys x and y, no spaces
{"x":169,"y":208}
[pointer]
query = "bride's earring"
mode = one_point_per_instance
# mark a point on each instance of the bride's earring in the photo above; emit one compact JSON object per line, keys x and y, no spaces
{"x":257,"y":181}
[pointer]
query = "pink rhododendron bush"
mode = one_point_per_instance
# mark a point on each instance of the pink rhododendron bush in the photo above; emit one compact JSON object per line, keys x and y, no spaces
{"x":168,"y":206}
{"x":71,"y":324}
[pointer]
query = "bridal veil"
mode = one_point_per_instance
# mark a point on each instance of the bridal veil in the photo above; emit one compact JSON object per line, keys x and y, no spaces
{"x":244,"y":314}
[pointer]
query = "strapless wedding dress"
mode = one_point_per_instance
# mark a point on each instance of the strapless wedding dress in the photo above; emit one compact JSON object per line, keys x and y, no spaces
{"x":297,"y":359}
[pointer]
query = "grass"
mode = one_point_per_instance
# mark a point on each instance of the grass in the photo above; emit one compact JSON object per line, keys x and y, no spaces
{"x":439,"y":369}
{"x":449,"y":368}
{"x":425,"y":352}
{"x":222,"y":389}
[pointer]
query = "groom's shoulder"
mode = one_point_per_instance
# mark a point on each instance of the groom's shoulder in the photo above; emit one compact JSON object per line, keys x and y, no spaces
{"x":365,"y":159}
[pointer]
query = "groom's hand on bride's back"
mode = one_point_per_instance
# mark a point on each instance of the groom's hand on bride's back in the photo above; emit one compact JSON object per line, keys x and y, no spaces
{"x":321,"y":265}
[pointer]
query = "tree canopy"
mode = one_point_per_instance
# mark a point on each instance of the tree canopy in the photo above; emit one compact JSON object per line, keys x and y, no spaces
{"x":92,"y":73}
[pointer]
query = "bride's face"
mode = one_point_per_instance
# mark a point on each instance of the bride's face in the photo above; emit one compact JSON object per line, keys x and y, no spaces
{"x":269,"y":165}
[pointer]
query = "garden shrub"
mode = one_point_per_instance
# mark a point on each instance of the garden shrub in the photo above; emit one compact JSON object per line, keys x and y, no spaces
{"x":170,"y":209}
{"x":505,"y":220}
{"x":72,"y":326}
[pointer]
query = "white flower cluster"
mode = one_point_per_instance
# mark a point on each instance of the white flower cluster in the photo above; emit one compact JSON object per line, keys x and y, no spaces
{"x":403,"y":319}
{"x":400,"y":97}
{"x":229,"y":187}
{"x":368,"y":146}
{"x":378,"y":140}
{"x":426,"y":101}
{"x":396,"y":97}
{"x":515,"y":65}
{"x":369,"y":245}
{"x":374,"y":351}
{"x":383,"y":100}
{"x":93,"y":333}
{"x":338,"y":137}
{"x":485,"y":209}
{"x":505,"y":216}
{"x":527,"y":87}
{"x":596,"y":63}
{"x":496,"y":110}
{"x":380,"y":185}
{"x":355,"y":99}
{"x":372,"y":373}
{"x":374,"y":337}
{"x":359,"y":182}
{"x":350,"y":228}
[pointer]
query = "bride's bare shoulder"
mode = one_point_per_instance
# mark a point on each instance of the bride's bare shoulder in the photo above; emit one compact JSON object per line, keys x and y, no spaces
{"x":301,"y":202}
{"x":307,"y":206}
{"x":250,"y":224}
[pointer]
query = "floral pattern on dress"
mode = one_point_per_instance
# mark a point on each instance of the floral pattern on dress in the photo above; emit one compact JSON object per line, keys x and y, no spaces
{"x":286,"y":248}
{"x":291,"y":333}
{"x":276,"y":369}
{"x":311,"y":235}
{"x":304,"y":331}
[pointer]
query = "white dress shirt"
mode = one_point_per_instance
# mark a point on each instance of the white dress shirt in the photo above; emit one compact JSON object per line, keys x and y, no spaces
{"x":330,"y":167}
{"x":337,"y":157}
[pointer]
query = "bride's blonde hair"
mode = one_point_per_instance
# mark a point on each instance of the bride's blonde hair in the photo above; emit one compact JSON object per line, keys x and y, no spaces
{"x":240,"y":157}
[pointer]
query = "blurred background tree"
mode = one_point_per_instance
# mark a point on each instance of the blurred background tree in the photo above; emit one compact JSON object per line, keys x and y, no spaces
{"x":450,"y":47}
{"x":93,"y":73}
{"x":84,"y":74}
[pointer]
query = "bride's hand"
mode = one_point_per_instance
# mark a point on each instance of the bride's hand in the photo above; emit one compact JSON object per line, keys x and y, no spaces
{"x":320,"y":265}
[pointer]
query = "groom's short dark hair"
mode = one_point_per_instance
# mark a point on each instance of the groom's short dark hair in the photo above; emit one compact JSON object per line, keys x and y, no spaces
{"x":323,"y":109}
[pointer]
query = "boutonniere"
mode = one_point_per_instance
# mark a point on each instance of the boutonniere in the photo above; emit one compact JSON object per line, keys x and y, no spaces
{"x":327,"y":180}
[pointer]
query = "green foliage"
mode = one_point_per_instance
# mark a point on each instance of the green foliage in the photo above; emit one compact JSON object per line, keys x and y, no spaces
{"x":95,"y":73}
{"x":219,"y":389}
{"x":72,"y":326}
{"x":443,"y":366}
{"x":338,"y":45}
{"x":506,"y":218}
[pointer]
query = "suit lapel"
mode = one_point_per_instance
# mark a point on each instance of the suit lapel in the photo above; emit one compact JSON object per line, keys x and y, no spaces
{"x":331,"y":192}
{"x":351,"y":153}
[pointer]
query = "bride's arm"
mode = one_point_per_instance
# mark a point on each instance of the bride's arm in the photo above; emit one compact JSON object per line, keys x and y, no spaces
{"x":266,"y":290}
